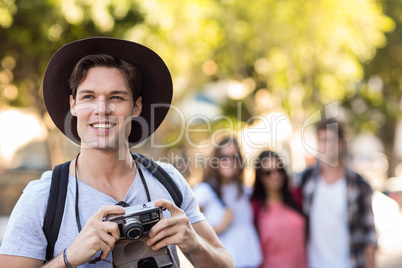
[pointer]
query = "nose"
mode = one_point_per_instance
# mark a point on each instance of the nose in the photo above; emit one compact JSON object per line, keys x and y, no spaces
{"x":103,"y":108}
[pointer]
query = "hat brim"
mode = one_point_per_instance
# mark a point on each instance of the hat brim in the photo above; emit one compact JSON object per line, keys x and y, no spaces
{"x":156,"y":92}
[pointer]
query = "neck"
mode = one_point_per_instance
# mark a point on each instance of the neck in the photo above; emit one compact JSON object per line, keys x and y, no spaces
{"x":274,"y":196}
{"x":226,"y":180}
{"x":330,"y":173}
{"x":104,"y":165}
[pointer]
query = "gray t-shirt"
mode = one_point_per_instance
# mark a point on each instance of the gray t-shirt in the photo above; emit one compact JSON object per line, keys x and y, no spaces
{"x":24,"y":235}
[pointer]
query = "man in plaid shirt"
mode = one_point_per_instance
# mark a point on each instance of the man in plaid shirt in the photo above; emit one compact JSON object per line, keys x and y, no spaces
{"x":337,"y":204}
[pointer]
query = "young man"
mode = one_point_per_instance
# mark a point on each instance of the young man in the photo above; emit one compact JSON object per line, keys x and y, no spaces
{"x":101,"y":93}
{"x":337,"y":203}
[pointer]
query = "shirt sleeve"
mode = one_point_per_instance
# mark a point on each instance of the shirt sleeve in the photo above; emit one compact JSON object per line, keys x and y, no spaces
{"x":189,"y":205}
{"x":24,"y":235}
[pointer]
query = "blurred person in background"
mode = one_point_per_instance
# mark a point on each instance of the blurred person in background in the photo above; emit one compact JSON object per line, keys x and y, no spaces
{"x":338,"y":205}
{"x":279,"y":221}
{"x":224,"y":200}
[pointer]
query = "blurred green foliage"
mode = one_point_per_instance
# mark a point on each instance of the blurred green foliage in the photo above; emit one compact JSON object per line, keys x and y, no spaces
{"x":294,"y":56}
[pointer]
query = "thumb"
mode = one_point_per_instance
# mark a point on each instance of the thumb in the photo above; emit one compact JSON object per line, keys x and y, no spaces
{"x":173,"y":209}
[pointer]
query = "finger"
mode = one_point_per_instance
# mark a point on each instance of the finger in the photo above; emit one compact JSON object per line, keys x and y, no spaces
{"x":111,"y":228}
{"x":173,"y":209}
{"x":106,"y":249}
{"x":167,"y":232}
{"x":108,"y":209}
{"x":161,"y":225}
{"x":164,"y":243}
{"x":108,"y":239}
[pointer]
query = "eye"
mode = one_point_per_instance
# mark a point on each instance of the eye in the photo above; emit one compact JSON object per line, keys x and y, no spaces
{"x":87,"y":97}
{"x":116,"y":98}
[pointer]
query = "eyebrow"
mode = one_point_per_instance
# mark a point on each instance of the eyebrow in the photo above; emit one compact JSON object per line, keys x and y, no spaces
{"x":84,"y":91}
{"x":123,"y":92}
{"x":114,"y":92}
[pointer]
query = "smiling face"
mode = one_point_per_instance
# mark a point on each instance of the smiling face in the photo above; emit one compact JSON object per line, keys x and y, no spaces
{"x":104,"y":106}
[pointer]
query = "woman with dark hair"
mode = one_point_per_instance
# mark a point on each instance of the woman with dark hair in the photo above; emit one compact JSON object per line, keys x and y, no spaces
{"x":279,"y":221}
{"x":225,"y":202}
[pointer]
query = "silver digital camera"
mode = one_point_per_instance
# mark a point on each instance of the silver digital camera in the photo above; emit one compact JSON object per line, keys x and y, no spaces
{"x":137,"y":220}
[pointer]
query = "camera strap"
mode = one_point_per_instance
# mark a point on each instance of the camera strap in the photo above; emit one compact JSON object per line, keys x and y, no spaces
{"x":144,"y":183}
{"x":77,"y":192}
{"x":58,"y":192}
{"x":162,"y":176}
{"x":77,"y":212}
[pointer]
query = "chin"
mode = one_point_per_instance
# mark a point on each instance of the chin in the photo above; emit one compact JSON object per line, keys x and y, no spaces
{"x":333,"y":161}
{"x":105,"y":148}
{"x":101,"y":145}
{"x":276,"y":188}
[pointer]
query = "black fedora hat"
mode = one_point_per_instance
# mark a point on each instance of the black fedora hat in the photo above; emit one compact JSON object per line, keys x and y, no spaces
{"x":156,"y":92}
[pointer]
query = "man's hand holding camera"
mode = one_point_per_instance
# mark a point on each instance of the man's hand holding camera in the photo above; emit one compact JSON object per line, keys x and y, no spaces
{"x":176,"y":230}
{"x":96,"y":235}
{"x":100,"y":235}
{"x":197,"y":241}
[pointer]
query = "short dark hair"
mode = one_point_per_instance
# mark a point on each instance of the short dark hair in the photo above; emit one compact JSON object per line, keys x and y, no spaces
{"x":129,"y":71}
{"x":333,"y":125}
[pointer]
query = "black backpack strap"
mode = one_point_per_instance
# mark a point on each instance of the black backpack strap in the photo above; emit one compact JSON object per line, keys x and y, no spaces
{"x":162,"y":176}
{"x":306,"y":174}
{"x":55,"y":207}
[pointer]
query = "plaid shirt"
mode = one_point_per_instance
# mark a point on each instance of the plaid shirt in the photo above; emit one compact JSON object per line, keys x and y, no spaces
{"x":360,"y":213}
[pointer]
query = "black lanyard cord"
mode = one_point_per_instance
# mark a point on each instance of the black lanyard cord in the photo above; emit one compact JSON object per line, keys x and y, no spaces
{"x":77,"y":213}
{"x":142,"y":179}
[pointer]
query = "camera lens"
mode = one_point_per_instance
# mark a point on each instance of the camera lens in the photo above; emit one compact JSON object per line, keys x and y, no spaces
{"x":133,"y":228}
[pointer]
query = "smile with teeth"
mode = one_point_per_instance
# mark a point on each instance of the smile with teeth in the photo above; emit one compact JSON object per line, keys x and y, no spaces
{"x":103,"y":126}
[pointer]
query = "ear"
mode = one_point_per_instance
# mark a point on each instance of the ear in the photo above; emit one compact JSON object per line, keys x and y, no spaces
{"x":72,"y":106}
{"x":137,"y":107}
